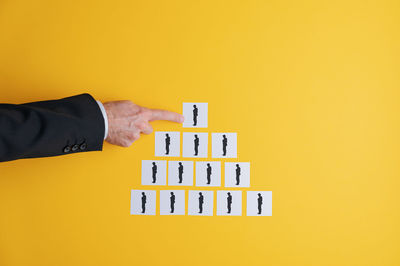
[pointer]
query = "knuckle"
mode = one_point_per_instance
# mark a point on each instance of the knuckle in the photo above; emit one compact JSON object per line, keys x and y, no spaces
{"x":126,"y":144}
{"x":131,"y":123}
{"x":144,"y":111}
{"x":134,"y":136}
{"x":137,"y":136}
{"x":141,"y":125}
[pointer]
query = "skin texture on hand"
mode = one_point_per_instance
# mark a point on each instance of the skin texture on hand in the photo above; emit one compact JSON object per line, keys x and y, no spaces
{"x":126,"y":121}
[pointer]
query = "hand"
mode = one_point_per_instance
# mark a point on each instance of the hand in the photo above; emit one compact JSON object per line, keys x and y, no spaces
{"x":127,"y":120}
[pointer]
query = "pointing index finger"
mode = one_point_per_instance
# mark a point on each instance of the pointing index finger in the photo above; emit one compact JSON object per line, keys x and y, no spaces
{"x":158,"y":114}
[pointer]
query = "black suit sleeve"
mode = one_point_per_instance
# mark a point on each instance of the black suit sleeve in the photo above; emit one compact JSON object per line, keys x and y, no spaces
{"x":50,"y":128}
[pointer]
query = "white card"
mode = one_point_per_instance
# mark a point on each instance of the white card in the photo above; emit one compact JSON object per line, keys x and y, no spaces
{"x":201,"y":202}
{"x":229,"y":203}
{"x":237,"y":174}
{"x":167,"y":144}
{"x":208,"y":174}
{"x":224,"y":145}
{"x":259,"y":203}
{"x":154,"y":172}
{"x":172,"y":202}
{"x":143,"y":202}
{"x":195,"y":145}
{"x":180,"y":173}
{"x":196,"y":115}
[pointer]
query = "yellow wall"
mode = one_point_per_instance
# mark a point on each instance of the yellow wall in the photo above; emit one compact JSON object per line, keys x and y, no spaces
{"x":311,"y":87}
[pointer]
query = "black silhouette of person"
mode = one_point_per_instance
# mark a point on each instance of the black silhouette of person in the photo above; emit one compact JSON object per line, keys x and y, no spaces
{"x":196,"y":145}
{"x":260,"y":202}
{"x":224,"y":144}
{"x":237,"y":174}
{"x":143,"y":202}
{"x":172,"y":202}
{"x":154,"y":170}
{"x":229,"y":202}
{"x":209,"y":172}
{"x":180,"y":171}
{"x":167,"y":143}
{"x":195,"y":115}
{"x":201,"y":201}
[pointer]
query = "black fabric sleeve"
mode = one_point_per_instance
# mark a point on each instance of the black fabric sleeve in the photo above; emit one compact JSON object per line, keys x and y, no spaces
{"x":50,"y":128}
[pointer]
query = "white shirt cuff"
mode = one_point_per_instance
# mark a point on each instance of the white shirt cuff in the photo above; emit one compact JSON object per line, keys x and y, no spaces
{"x":103,"y":111}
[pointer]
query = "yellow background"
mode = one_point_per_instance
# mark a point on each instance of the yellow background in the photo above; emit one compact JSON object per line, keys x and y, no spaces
{"x":311,"y":87}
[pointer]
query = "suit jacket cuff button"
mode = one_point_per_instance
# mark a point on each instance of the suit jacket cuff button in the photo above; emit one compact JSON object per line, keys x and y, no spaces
{"x":83,"y":146}
{"x":75,"y":147}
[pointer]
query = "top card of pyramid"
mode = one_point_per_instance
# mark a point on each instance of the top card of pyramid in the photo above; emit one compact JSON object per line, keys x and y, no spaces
{"x":196,"y":115}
